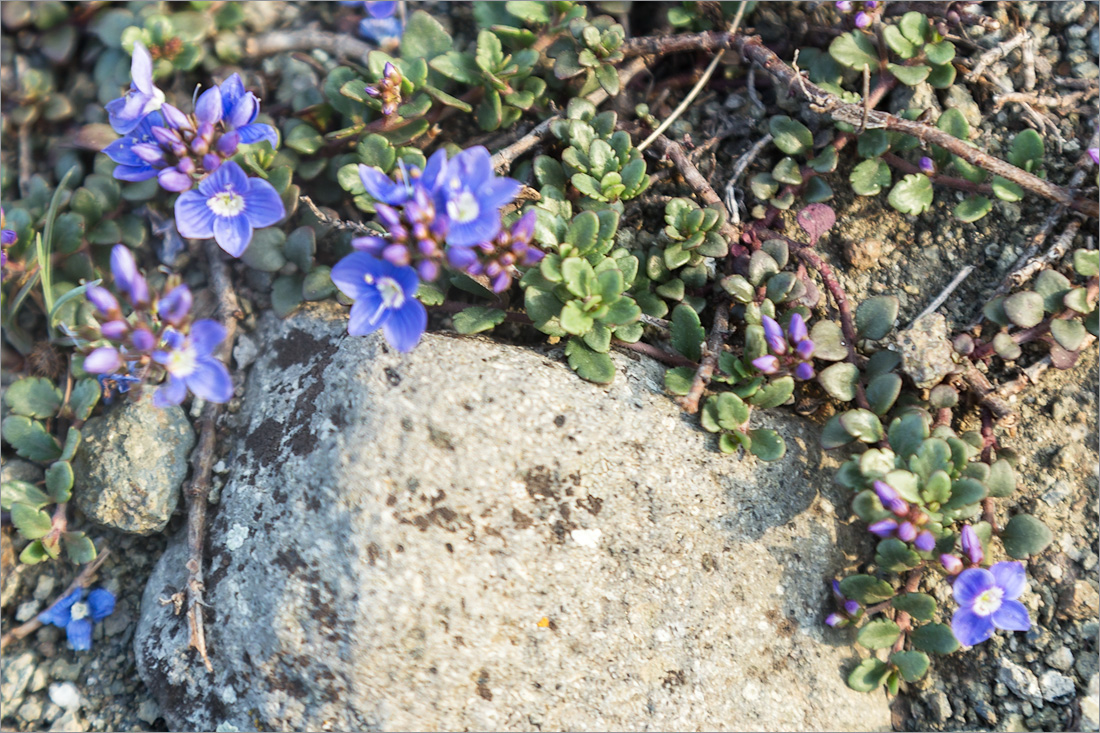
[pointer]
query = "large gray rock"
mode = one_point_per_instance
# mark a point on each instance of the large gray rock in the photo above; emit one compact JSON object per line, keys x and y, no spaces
{"x":471,"y":537}
{"x":130,"y":466}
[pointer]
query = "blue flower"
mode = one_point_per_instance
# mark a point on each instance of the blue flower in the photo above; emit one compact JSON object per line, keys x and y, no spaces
{"x":380,"y":26}
{"x":137,"y":152}
{"x":77,"y":612}
{"x":471,"y":196}
{"x":190,"y":363}
{"x":239,"y":110}
{"x":227,"y":206}
{"x":127,"y":278}
{"x":127,"y":112}
{"x":987,"y":600}
{"x":385,"y":297}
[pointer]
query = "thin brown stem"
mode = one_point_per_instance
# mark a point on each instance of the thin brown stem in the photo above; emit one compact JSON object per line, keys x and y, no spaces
{"x":690,"y":402}
{"x":654,"y":352}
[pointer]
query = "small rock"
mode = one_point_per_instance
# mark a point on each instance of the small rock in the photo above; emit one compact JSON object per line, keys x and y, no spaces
{"x":245,"y":351}
{"x":1090,"y":705}
{"x":45,"y":586}
{"x":940,"y":706}
{"x":1056,"y":687}
{"x":65,"y":695}
{"x":131,"y":464}
{"x":985,"y":711}
{"x":1061,"y":659}
{"x":1057,"y":493}
{"x":148,"y":711}
{"x":1021,"y":681}
{"x":926,"y":350}
{"x":17,"y":673}
{"x":63,"y":670}
{"x":31,"y":710}
{"x":1079,"y":600}
{"x":68,"y":723}
{"x":958,"y":97}
{"x":1069,"y":458}
{"x":1067,"y":12}
{"x":27,"y":610}
{"x":863,"y":254}
{"x":38,"y":680}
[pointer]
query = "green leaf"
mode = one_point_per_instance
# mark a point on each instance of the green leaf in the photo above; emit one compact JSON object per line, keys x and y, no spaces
{"x":920,"y":606}
{"x":954,"y":123}
{"x":33,"y":554}
{"x":870,"y":177}
{"x":678,"y":380}
{"x":424,"y":38}
{"x":875,"y":316}
{"x":688,"y":333}
{"x":942,"y":76}
{"x":1006,"y":190}
{"x":22,"y":492}
{"x":1069,"y":334}
{"x":940,"y":53}
{"x":1025,"y":309}
{"x":898,"y":43}
{"x":30,"y":439}
{"x":828,"y":341}
{"x":1002,"y":479}
{"x":589,"y":364}
{"x":791,"y":136}
{"x":882,"y":392}
{"x":1024,"y":536}
{"x":868,"y":675}
{"x":761,"y":266}
{"x":72,"y":442}
{"x":532,"y":12}
{"x":866,"y":589}
{"x":817,"y":191}
{"x":78,"y":547}
{"x":33,"y":397}
{"x":973,"y":208}
{"x":934,"y":638}
{"x":265,"y":251}
{"x":608,"y":78}
{"x":910,"y":75}
{"x":826,"y":160}
{"x":1006,"y":347}
{"x":854,"y":50}
{"x":1027,"y":147}
{"x":59,"y":481}
{"x":787,"y":171}
{"x":776,"y":393}
{"x":872,"y":143}
{"x":912,"y":194}
{"x":964,"y":492}
{"x":767,"y":445}
{"x":863,"y":424}
{"x":1086,"y":262}
{"x":907,"y":433}
{"x":286,"y":294}
{"x":840,"y":380}
{"x":894,"y":556}
{"x":833,"y":434}
{"x":878,"y":634}
{"x":912,"y":665}
{"x":304,"y":139}
{"x":32,"y":523}
{"x":730,"y":412}
{"x":84,"y":397}
{"x":915,"y":27}
{"x":317,"y":284}
{"x":478,"y":319}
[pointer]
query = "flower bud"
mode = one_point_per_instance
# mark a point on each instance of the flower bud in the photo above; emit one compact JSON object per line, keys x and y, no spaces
{"x":863,"y":20}
{"x":396,"y":254}
{"x":926,"y":166}
{"x":951,"y":564}
{"x":211,"y":162}
{"x":972,"y":545}
{"x":890,"y":498}
{"x":102,"y":299}
{"x":103,"y":360}
{"x":766,"y":364}
{"x":836,"y":621}
{"x":804,"y":349}
{"x":797,"y":329}
{"x":925,"y":541}
{"x":883,"y":528}
{"x":844,"y":6}
{"x":852,"y":608}
{"x":804,"y":372}
{"x":428,"y":270}
{"x":227,"y":144}
{"x":773,"y":334}
{"x":907,"y":532}
{"x":142,"y":339}
{"x":115,"y":330}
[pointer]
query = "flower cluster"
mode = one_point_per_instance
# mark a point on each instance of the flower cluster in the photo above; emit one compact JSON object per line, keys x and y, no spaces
{"x":848,"y":611}
{"x":905,"y":524}
{"x":157,"y":338}
{"x":7,"y":239}
{"x":447,"y":215}
{"x":865,"y":14}
{"x":77,"y":613}
{"x":181,"y":150}
{"x":387,"y":90}
{"x":791,"y":352}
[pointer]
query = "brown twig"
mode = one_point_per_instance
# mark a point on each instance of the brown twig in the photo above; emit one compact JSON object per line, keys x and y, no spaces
{"x":202,"y":459}
{"x":343,"y":45}
{"x":752,"y":49}
{"x":654,"y":352}
{"x":333,"y":221}
{"x":1042,"y":100}
{"x":503,"y":158}
{"x":901,"y":618}
{"x":997,"y":53}
{"x":81,"y":581}
{"x":945,"y":293}
{"x":690,"y":402}
{"x":903,"y":165}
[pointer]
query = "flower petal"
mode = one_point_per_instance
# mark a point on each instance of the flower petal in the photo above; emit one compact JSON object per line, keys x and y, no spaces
{"x":970,"y":628}
{"x":194,"y":219}
{"x":206,"y":335}
{"x":210,"y":380}
{"x":208,"y":108}
{"x":59,"y":613}
{"x":232,"y":90}
{"x":170,"y":393}
{"x":79,"y":633}
{"x":244,"y":111}
{"x":133,"y":173}
{"x":499,"y":192}
{"x":351,"y":274}
{"x":381,"y":187}
{"x":141,"y":69}
{"x":257,"y":132}
{"x":262,"y":204}
{"x":233,"y":234}
{"x":101,"y":603}
{"x":405,"y":325}
{"x":972,"y":583}
{"x":103,"y":360}
{"x":366,"y":316}
{"x":174,"y":180}
{"x":1011,"y":616}
{"x":1010,"y":576}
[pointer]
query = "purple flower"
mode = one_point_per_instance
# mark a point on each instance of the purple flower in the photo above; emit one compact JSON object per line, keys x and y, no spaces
{"x":127,"y":112}
{"x":907,"y":532}
{"x":925,"y":541}
{"x":104,"y":360}
{"x":848,"y":612}
{"x":175,"y":305}
{"x":883,"y":528}
{"x":127,"y":278}
{"x":471,"y":196}
{"x":844,"y":6}
{"x":926,"y":165}
{"x":863,"y":20}
{"x":227,"y":206}
{"x":891,"y":499}
{"x":385,"y":297}
{"x":767,"y":364}
{"x":796,"y":330}
{"x":951,"y":564}
{"x":804,"y":371}
{"x":972,"y":545}
{"x":7,"y":236}
{"x":239,"y":110}
{"x":1095,"y":154}
{"x":987,"y":600}
{"x":380,"y":26}
{"x":137,"y":152}
{"x":190,"y":363}
{"x":77,"y":613}
{"x":773,"y":334}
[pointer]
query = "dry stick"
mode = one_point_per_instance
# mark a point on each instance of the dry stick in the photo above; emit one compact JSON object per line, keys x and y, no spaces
{"x":332,"y":221}
{"x":307,"y":39}
{"x":1032,"y":374}
{"x":752,"y":49}
{"x":732,"y":204}
{"x":80,"y":581}
{"x":202,"y":459}
{"x":674,"y":360}
{"x":690,"y":402}
{"x":951,"y":286}
{"x":996,"y":53}
{"x":503,"y":158}
{"x":1042,"y":100}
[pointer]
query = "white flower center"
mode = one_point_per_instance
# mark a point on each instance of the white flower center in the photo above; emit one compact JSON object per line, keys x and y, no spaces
{"x":154,"y":102}
{"x":463,"y":208}
{"x":181,"y":362}
{"x":392,"y":295}
{"x":78,"y":611}
{"x":226,"y":203}
{"x":989,"y":601}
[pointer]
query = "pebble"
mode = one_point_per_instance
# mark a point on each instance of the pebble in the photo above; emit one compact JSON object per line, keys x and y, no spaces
{"x":27,"y":610}
{"x":1022,"y":682}
{"x":985,"y":712}
{"x":17,"y":673}
{"x":1064,"y":13}
{"x":45,"y":587}
{"x":1079,"y":600}
{"x":64,"y":670}
{"x":65,"y":695}
{"x":958,"y":97}
{"x":148,"y":711}
{"x":1090,"y":705}
{"x":245,"y":352}
{"x":863,"y":254}
{"x":1056,"y":687}
{"x":1069,"y":458}
{"x":1060,"y":659}
{"x":31,"y":710}
{"x":1057,"y":493}
{"x":939,"y":705}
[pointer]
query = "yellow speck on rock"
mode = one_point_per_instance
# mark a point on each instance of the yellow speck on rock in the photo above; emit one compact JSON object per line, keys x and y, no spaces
{"x":544,"y":622}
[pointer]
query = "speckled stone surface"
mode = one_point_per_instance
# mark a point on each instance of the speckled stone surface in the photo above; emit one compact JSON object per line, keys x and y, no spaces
{"x":471,"y":537}
{"x":927,"y":355}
